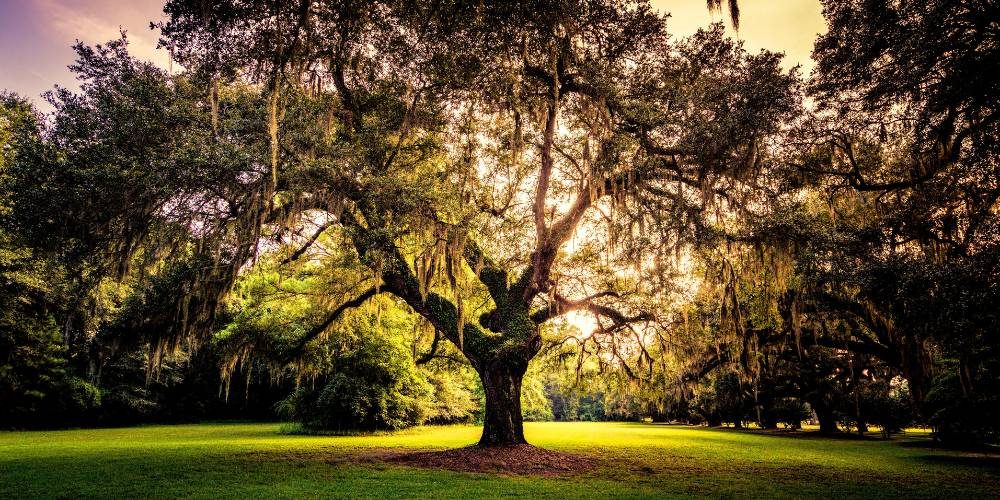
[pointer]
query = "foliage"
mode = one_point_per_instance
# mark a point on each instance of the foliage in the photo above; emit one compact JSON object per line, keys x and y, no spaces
{"x":37,"y":384}
{"x":453,"y":401}
{"x":959,"y":416}
{"x":721,"y":400}
{"x":876,"y":256}
{"x":535,"y":404}
{"x":790,"y":412}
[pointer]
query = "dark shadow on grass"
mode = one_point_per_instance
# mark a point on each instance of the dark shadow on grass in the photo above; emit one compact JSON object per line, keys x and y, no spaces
{"x":933,"y":444}
{"x":988,"y":462}
{"x":800,"y":434}
{"x":516,"y":460}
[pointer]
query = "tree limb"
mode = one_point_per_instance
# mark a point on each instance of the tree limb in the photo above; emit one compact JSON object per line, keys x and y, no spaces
{"x":298,"y":253}
{"x":330,"y":319}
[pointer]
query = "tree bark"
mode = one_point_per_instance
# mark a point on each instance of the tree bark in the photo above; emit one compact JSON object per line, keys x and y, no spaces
{"x":503,"y":423}
{"x":827,"y":420}
{"x":769,"y":423}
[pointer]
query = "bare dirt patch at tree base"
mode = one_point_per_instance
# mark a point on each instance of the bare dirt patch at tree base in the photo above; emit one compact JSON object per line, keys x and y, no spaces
{"x":514,"y":460}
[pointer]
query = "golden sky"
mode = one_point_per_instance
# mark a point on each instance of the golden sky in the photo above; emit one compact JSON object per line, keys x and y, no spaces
{"x":788,"y":26}
{"x":35,"y":35}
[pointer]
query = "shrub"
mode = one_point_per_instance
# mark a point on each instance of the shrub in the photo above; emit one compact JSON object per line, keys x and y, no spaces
{"x":960,"y":416}
{"x":374,"y":387}
{"x":789,"y":412}
{"x":452,"y":400}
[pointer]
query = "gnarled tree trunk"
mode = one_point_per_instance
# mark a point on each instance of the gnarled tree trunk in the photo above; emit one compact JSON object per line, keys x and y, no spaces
{"x":502,"y":422}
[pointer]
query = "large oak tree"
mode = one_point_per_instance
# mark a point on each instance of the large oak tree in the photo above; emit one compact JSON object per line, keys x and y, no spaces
{"x":493,"y":166}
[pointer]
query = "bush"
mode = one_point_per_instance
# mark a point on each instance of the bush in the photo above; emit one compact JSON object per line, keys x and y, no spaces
{"x":535,"y":404}
{"x":374,"y":387}
{"x":892,"y":410}
{"x":82,"y":397}
{"x":789,"y":412}
{"x":721,"y":399}
{"x":569,"y":401}
{"x":960,"y":416}
{"x":34,"y":383}
{"x":453,"y":402}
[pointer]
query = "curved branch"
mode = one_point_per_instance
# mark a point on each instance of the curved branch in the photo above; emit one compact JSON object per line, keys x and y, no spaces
{"x":432,"y":353}
{"x":535,"y":278}
{"x":489,"y":273}
{"x":399,"y":280}
{"x":562,"y":306}
{"x":330,"y":319}
{"x":309,"y":243}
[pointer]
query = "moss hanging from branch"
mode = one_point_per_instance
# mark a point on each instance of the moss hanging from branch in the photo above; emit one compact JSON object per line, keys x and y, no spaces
{"x":272,"y":132}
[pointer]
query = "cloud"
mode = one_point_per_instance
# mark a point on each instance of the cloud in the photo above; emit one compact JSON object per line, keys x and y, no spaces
{"x":99,"y":21}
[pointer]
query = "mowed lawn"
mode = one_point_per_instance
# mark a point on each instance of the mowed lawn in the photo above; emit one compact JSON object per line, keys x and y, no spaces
{"x":632,"y":461}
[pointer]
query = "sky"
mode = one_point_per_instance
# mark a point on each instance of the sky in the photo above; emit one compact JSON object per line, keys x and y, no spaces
{"x":36,"y":35}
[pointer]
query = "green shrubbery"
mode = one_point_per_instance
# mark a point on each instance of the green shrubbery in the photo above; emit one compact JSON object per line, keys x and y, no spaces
{"x":373,"y":387}
{"x":961,"y":416}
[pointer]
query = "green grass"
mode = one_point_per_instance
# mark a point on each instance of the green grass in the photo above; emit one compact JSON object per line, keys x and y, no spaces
{"x":636,"y":460}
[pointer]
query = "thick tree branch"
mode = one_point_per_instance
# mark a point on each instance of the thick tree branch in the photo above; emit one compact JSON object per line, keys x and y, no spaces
{"x":309,"y":243}
{"x":489,"y":273}
{"x":432,"y":353}
{"x":562,"y":306}
{"x":879,"y":326}
{"x":379,"y":253}
{"x":330,"y":319}
{"x":544,"y":174}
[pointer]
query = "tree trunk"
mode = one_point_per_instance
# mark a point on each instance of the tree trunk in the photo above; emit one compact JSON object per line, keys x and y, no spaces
{"x":769,"y":423}
{"x":824,"y":412}
{"x":827,"y":421}
{"x":503,"y":423}
{"x":862,"y":427}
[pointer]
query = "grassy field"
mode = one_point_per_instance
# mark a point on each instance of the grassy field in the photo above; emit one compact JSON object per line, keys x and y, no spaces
{"x":632,"y":461}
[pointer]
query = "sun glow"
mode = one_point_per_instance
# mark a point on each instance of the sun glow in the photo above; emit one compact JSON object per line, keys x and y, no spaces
{"x":582,"y":321}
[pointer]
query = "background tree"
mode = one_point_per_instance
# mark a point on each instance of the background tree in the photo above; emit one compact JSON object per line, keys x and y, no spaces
{"x":885,"y":222}
{"x":919,"y":143}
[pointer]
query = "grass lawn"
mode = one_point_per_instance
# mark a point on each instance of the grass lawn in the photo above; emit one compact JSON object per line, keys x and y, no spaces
{"x":632,"y":461}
